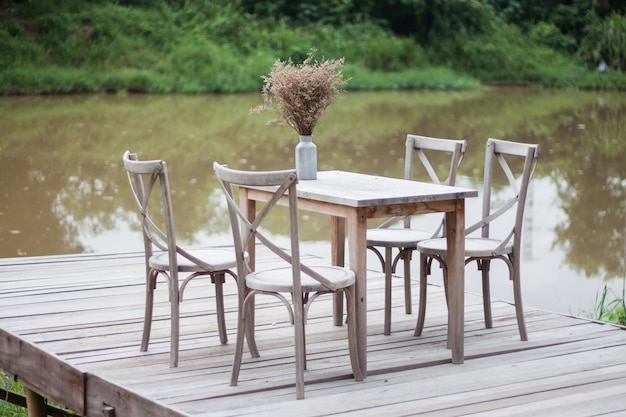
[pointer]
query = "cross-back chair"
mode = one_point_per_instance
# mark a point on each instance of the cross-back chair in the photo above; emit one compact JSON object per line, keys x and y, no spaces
{"x":419,"y":156}
{"x":164,"y":257}
{"x":517,"y":161}
{"x":301,"y":282}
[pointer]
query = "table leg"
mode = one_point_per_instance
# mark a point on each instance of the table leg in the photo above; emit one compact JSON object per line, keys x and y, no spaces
{"x":337,"y":244}
{"x":357,"y":246}
{"x":455,"y":235}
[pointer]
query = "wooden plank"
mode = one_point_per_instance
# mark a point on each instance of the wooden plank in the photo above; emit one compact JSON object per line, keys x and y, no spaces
{"x":434,"y":391}
{"x":42,"y":372}
{"x":566,"y":358}
{"x":105,"y":395}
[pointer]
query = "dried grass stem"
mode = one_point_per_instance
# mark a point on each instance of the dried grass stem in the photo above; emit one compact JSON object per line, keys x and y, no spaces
{"x":299,"y":94}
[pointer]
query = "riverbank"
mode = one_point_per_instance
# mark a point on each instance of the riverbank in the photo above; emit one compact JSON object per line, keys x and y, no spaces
{"x":220,"y":47}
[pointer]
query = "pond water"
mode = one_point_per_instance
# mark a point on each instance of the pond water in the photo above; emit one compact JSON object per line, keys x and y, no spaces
{"x":64,"y":191}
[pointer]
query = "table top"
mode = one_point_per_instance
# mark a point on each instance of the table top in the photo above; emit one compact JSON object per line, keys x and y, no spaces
{"x":363,"y":190}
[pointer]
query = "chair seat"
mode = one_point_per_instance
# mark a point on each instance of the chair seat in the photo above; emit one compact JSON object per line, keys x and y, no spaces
{"x":474,"y":247}
{"x":218,"y":259}
{"x":396,"y":237}
{"x":281,"y":279}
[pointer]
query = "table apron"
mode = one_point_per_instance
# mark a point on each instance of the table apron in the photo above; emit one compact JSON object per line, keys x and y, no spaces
{"x":335,"y":209}
{"x":404,"y":209}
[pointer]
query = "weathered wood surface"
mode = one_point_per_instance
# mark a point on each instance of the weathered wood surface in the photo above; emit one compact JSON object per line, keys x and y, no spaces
{"x":77,"y":320}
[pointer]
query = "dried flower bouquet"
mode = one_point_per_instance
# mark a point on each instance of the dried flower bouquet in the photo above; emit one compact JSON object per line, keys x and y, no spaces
{"x":298,"y":94}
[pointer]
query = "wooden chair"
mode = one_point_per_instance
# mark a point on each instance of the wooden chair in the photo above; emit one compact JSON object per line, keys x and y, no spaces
{"x":517,"y":162}
{"x":302,"y":282}
{"x":164,"y":257}
{"x":422,"y":149}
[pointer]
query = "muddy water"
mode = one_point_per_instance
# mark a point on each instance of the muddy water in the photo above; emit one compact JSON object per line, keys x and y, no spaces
{"x":63,"y":190}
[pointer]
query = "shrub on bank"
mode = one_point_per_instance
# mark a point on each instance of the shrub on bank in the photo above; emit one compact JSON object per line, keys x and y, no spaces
{"x":199,"y":47}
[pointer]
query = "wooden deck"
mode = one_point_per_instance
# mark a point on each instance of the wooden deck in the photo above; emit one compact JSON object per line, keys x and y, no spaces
{"x":70,"y":328}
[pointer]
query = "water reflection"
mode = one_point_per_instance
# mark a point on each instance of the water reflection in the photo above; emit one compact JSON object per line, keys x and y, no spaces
{"x":63,"y":189}
{"x":592,"y":192}
{"x":29,"y":210}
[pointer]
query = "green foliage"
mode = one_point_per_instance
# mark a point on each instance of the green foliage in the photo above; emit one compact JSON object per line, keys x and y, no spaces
{"x":431,"y":78}
{"x":569,"y":18}
{"x":605,"y":40}
{"x":34,"y":80}
{"x":7,"y":409}
{"x":203,"y":66}
{"x":393,"y":55}
{"x":548,"y":34}
{"x":224,"y":46}
{"x":16,"y":48}
{"x":333,"y":12}
{"x":114,"y":36}
{"x":502,"y":55}
{"x":457,"y":18}
{"x":610,"y":310}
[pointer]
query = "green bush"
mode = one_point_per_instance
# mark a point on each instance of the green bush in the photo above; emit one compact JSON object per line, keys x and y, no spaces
{"x":431,"y":78}
{"x":393,"y":55}
{"x":203,"y":66}
{"x":7,"y":409}
{"x":605,"y":40}
{"x":53,"y":46}
{"x":114,"y":36}
{"x":505,"y":55}
{"x":18,"y":50}
{"x":548,"y":34}
{"x":36,"y":80}
{"x":610,"y":310}
{"x":458,"y":19}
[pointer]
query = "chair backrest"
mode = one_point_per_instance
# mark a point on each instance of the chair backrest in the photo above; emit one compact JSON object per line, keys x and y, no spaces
{"x":422,"y":149}
{"x":517,"y":161}
{"x":149,"y":183}
{"x":245,"y":231}
{"x":420,"y":145}
{"x":145,"y":177}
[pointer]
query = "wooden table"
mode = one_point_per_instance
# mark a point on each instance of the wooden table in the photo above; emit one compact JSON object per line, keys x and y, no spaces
{"x":350,"y":199}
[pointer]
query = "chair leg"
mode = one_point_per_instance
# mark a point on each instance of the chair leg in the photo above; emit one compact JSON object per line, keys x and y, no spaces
{"x":304,"y":345}
{"x":218,"y":280}
{"x":249,"y":327}
{"x":304,"y":310}
{"x":519,"y":306}
{"x":147,"y":319}
{"x":485,"y":265}
{"x":352,"y":344}
{"x":298,"y":325}
{"x":387,"y":269}
{"x":519,"y":312}
{"x":408,"y":299}
{"x":234,"y":375}
{"x":337,"y":310}
{"x":444,"y":267}
{"x":421,"y":315}
{"x":174,"y":320}
{"x":242,"y":325}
